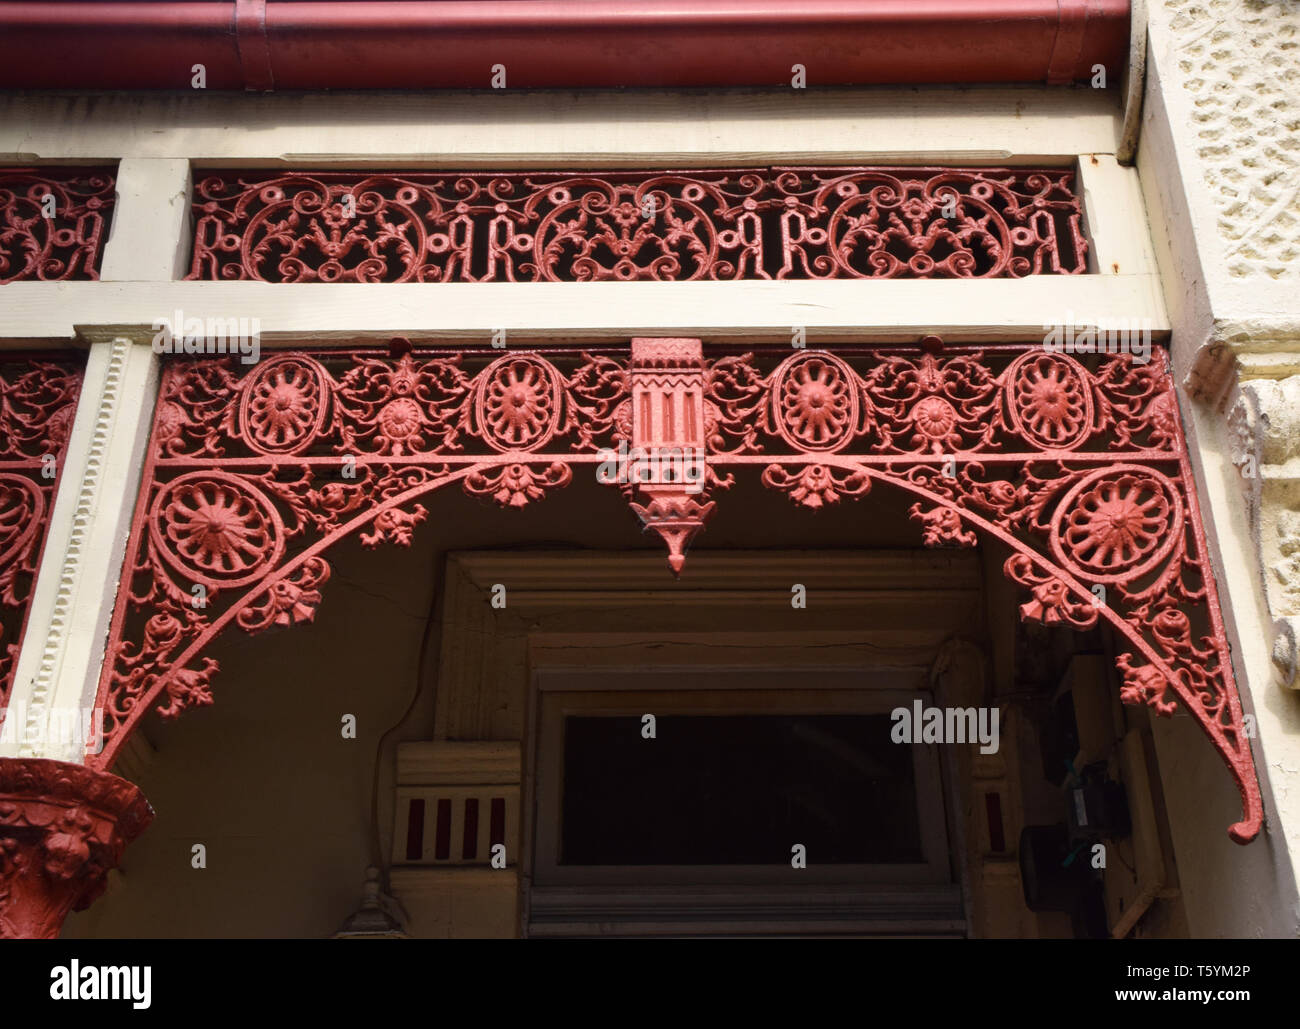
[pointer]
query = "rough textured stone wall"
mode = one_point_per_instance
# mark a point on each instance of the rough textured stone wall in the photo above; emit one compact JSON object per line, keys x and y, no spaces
{"x":1219,"y":159}
{"x":1240,"y":60}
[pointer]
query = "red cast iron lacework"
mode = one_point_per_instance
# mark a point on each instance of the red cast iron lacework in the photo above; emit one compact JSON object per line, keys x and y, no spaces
{"x":53,"y":222}
{"x":749,"y":223}
{"x":1078,"y":467}
{"x":38,"y":400}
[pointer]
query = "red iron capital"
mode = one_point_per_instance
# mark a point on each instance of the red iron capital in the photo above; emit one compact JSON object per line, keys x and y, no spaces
{"x":62,"y":827}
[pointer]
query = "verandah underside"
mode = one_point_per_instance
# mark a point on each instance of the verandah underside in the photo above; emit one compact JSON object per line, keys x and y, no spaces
{"x":1078,"y":466}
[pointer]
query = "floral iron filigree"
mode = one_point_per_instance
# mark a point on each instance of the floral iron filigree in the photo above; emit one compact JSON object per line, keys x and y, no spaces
{"x":53,"y":222}
{"x":38,"y":401}
{"x":1077,"y":466}
{"x":748,"y":223}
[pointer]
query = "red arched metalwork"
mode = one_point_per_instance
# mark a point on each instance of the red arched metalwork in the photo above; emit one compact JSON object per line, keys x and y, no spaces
{"x":38,"y":401}
{"x":1077,"y":465}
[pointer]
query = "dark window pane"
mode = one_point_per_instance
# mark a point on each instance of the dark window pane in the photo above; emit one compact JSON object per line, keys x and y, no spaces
{"x":737,"y":789}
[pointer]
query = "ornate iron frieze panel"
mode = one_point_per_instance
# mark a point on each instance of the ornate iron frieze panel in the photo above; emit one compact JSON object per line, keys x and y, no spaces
{"x":53,"y":222}
{"x":38,"y":401}
{"x":751,"y":223}
{"x":1078,"y":466}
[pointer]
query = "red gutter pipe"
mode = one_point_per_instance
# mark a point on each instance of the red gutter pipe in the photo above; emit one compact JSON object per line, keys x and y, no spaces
{"x":432,"y":44}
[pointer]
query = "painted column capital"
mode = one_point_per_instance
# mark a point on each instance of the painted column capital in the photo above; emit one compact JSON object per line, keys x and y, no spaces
{"x":62,"y":827}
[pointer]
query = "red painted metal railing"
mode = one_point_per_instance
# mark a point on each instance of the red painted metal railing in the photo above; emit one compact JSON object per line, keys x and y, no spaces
{"x":1078,"y":467}
{"x":747,"y":223}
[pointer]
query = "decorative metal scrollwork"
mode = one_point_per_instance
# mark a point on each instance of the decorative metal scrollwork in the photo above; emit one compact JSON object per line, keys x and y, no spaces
{"x":1077,"y":466}
{"x":53,"y":222}
{"x":38,"y":401}
{"x":748,"y":223}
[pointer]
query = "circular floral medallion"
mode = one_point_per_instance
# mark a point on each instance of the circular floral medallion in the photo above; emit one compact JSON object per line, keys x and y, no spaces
{"x":815,"y":402}
{"x":1117,"y":524}
{"x":284,"y":406}
{"x":518,"y":403}
{"x":934,"y":419}
{"x":399,"y":423}
{"x":215,"y":528}
{"x":1048,"y":400}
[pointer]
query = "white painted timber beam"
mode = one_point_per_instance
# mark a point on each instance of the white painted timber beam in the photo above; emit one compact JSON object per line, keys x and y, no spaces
{"x":559,"y":129}
{"x":333,"y":314}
